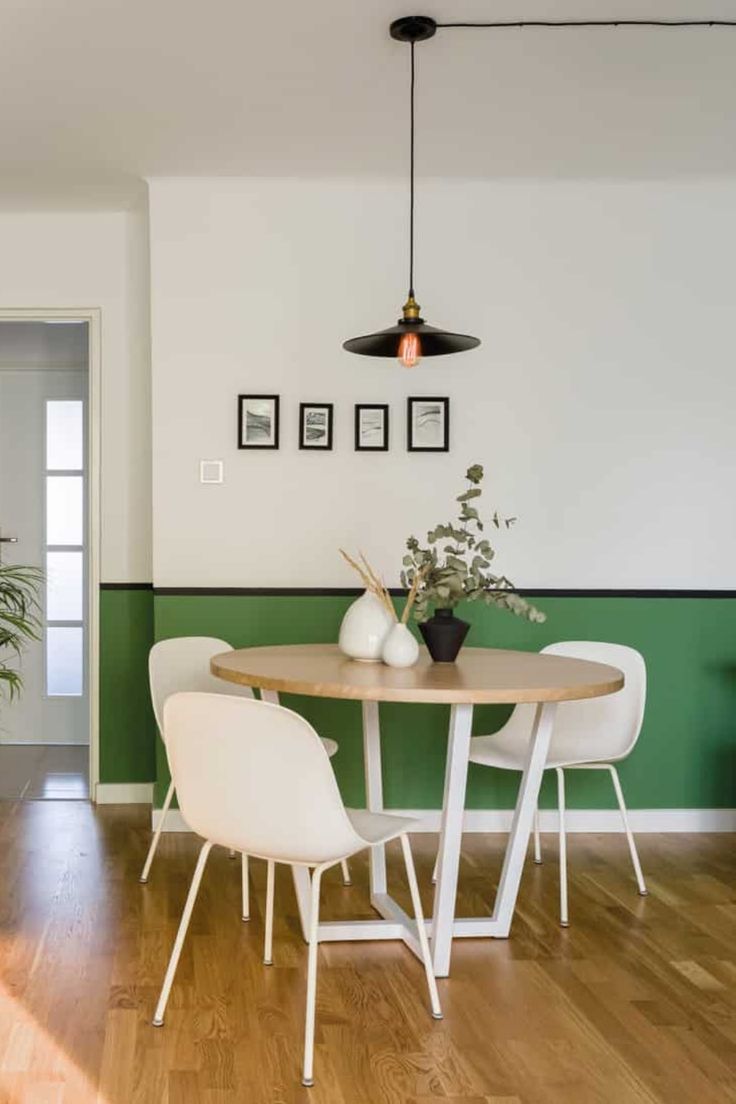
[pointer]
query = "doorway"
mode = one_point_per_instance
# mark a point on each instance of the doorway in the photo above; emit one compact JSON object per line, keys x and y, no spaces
{"x":47,"y":734}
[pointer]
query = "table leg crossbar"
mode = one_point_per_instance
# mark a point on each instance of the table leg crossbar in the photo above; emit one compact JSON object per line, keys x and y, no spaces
{"x":444,"y":926}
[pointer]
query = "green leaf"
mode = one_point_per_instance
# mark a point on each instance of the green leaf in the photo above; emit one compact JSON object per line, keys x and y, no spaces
{"x":467,"y":495}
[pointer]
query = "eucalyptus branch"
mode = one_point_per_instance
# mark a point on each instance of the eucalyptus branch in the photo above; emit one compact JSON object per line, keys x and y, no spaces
{"x":444,"y":575}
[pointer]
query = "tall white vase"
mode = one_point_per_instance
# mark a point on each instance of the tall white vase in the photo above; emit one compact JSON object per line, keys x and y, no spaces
{"x":364,"y":628}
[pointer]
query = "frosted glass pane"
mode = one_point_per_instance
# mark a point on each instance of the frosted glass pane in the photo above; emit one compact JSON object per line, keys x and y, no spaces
{"x":65,"y":662}
{"x":64,"y":509}
{"x":65,"y":435}
{"x":64,"y":587}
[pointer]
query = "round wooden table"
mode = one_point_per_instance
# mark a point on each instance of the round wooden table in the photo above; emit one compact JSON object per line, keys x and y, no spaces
{"x":480,"y":676}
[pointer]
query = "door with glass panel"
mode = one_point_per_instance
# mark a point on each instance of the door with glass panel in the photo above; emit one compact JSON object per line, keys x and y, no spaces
{"x":43,"y":508}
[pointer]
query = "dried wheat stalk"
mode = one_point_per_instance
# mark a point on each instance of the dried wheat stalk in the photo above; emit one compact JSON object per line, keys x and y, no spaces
{"x":416,"y":583}
{"x":371,"y":581}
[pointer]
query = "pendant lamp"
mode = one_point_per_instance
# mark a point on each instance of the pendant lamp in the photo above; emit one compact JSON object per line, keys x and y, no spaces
{"x":411,"y":338}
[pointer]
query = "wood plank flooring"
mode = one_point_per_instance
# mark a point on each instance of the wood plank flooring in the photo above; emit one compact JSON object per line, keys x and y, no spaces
{"x":44,"y":772}
{"x":634,"y":1004}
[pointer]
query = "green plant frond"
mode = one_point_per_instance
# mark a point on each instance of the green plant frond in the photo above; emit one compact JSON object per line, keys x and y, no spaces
{"x":20,"y":622}
{"x":13,"y":682}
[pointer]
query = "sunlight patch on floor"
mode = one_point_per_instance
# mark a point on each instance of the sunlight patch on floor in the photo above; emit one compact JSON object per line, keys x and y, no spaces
{"x":34,"y":1068}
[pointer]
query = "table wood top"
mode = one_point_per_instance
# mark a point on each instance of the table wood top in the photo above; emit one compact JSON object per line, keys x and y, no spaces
{"x":480,"y":675}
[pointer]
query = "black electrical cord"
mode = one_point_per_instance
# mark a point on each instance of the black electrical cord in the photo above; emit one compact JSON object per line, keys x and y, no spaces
{"x":600,"y":23}
{"x":411,"y":178}
{"x":517,"y":24}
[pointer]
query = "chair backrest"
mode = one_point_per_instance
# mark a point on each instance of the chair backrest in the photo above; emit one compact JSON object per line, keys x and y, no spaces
{"x":183,"y":663}
{"x":260,"y":783}
{"x":595,"y":729}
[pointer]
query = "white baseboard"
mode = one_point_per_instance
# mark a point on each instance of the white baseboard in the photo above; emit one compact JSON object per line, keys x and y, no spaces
{"x":588,"y":820}
{"x":175,"y":822}
{"x":578,"y":820}
{"x":124,"y":793}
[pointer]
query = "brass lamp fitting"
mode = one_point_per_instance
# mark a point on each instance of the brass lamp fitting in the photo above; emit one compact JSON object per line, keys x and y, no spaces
{"x":411,"y":309}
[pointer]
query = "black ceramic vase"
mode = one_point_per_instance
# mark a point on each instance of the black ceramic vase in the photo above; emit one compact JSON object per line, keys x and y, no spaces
{"x":444,"y":634}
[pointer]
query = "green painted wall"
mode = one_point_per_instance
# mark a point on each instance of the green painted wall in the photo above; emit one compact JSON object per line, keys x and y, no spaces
{"x":686,"y":757}
{"x":127,"y":727}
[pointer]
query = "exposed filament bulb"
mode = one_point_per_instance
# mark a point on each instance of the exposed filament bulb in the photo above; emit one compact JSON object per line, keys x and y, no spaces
{"x":410,"y":345}
{"x":410,"y":350}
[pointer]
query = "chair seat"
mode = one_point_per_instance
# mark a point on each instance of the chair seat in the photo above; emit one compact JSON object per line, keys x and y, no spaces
{"x":508,"y":752}
{"x":330,"y":746}
{"x":379,"y":827}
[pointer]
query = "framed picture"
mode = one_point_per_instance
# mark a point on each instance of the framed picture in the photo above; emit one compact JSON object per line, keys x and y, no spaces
{"x":371,"y":427}
{"x":315,"y":426}
{"x":427,"y":425}
{"x":258,"y":421}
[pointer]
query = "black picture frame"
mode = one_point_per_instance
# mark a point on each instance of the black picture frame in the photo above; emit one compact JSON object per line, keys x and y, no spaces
{"x":317,"y":444}
{"x":418,"y":440}
{"x":384,"y":430}
{"x":253,"y":431}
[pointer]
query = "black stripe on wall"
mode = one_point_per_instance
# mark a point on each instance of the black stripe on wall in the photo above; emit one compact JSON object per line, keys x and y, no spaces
{"x":126,"y":586}
{"x":348,"y":592}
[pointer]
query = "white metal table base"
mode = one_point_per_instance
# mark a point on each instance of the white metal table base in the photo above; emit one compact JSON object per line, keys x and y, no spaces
{"x":444,"y":925}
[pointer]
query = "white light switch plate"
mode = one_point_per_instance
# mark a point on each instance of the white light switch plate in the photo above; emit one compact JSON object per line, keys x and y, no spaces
{"x":210,"y":471}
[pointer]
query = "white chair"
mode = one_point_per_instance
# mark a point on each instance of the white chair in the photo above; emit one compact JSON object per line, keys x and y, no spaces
{"x":588,"y":735}
{"x":183,"y":663}
{"x":265,"y":787}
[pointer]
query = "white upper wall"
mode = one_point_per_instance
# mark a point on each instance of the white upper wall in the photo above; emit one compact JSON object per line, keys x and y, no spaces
{"x":600,"y":402}
{"x":99,"y":260}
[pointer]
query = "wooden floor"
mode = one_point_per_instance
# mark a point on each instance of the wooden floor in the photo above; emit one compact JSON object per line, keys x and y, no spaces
{"x":44,"y":772}
{"x":636,"y":1002}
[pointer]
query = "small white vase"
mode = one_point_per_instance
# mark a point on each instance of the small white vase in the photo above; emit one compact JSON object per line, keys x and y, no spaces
{"x":400,"y":649}
{"x":364,"y":629}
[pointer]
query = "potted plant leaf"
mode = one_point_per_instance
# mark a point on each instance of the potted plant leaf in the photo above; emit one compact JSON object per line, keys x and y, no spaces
{"x":19,"y":622}
{"x":455,"y":566}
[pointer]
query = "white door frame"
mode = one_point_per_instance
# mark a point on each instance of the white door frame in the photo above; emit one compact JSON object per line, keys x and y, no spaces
{"x":93,"y":317}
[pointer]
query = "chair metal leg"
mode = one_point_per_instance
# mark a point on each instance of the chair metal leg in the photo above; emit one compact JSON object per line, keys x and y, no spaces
{"x":181,"y":934}
{"x":416,"y":902}
{"x":268,"y":937}
{"x":434,"y":868}
{"x":157,"y":834}
{"x":564,"y":917}
{"x":245,"y":889}
{"x":308,"y":1068}
{"x":346,"y":879}
{"x":537,"y":841}
{"x":629,"y":835}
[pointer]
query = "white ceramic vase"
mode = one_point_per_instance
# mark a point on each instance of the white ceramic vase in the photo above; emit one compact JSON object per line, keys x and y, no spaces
{"x":364,"y":628}
{"x":400,"y":649}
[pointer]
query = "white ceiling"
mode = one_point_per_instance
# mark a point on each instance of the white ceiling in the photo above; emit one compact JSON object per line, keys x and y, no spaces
{"x":96,"y":95}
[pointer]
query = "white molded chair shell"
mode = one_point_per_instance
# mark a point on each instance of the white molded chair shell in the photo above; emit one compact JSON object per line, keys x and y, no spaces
{"x":589,"y":731}
{"x":261,"y":783}
{"x":180,"y":664}
{"x":183,"y":663}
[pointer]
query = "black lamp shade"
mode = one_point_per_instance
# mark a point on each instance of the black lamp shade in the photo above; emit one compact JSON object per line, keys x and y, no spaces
{"x":434,"y":342}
